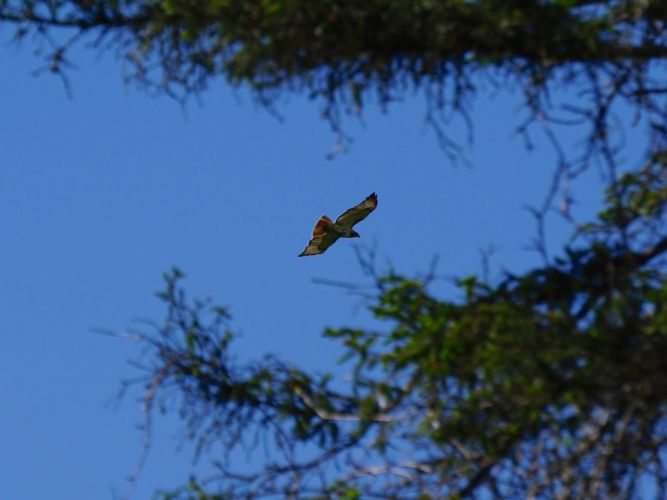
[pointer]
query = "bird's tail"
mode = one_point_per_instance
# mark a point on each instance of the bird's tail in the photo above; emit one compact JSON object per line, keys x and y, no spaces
{"x":322,"y":225}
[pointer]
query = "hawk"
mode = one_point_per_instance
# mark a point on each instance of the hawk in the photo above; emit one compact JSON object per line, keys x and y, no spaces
{"x":326,"y":232}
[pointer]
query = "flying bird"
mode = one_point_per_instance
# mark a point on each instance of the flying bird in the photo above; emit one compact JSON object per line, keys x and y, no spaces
{"x":326,"y":231}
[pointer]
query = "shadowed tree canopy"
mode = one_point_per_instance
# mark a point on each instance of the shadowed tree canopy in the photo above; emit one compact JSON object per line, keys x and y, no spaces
{"x":346,"y":53}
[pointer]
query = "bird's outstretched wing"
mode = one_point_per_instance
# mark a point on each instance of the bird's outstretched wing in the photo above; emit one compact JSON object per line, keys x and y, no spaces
{"x":323,"y":237}
{"x":359,"y":212}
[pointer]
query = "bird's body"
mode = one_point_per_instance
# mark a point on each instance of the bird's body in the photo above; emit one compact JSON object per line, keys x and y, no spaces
{"x":343,"y":231}
{"x":326,"y":231}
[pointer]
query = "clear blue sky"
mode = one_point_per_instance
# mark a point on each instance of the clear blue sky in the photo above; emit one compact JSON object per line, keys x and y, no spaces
{"x":102,"y":193}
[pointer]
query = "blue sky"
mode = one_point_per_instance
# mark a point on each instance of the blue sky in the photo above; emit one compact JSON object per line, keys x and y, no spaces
{"x":101,"y":193}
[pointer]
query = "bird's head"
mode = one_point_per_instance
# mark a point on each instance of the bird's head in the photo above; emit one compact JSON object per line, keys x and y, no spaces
{"x":355,"y":234}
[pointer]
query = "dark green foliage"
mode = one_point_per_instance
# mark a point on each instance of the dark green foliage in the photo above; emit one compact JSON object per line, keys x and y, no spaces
{"x":549,"y":383}
{"x":273,"y":42}
{"x":347,"y":53}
